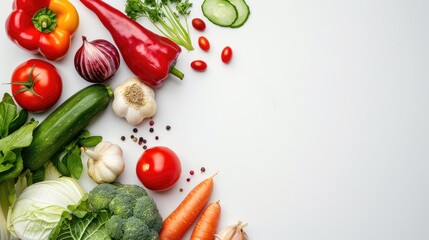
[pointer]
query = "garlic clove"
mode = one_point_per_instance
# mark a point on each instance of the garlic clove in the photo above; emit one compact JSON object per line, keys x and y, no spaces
{"x":119,"y":106}
{"x":102,"y":174}
{"x":134,"y":116}
{"x":233,"y":232}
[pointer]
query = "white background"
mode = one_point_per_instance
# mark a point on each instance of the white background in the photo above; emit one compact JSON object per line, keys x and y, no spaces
{"x":318,"y":127}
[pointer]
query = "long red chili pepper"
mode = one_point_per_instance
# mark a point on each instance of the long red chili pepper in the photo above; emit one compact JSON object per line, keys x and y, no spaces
{"x":148,"y":55}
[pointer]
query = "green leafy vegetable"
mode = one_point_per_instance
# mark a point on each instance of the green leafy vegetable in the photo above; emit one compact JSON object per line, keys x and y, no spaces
{"x":118,"y":211}
{"x":69,"y":161}
{"x":11,"y":163}
{"x":11,"y":142}
{"x":18,"y":139}
{"x":9,"y":191}
{"x":165,"y":19}
{"x":41,"y":206}
{"x":90,"y":226}
{"x":14,"y":135}
{"x":7,"y":114}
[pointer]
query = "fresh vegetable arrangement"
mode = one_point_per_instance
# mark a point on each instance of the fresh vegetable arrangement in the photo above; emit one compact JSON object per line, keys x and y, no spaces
{"x":68,"y":159}
{"x":40,"y":161}
{"x":65,"y":123}
{"x":150,"y":56}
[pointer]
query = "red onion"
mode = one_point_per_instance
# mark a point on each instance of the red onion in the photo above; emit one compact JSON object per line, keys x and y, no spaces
{"x":96,"y":61}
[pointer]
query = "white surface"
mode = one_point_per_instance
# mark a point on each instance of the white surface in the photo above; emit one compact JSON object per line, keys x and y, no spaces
{"x":318,"y":127}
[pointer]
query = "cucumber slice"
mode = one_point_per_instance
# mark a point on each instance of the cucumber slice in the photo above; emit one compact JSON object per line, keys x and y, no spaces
{"x":243,"y":12}
{"x":220,"y":12}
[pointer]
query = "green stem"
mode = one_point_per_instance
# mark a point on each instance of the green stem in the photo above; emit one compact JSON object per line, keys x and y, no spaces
{"x":176,"y":72}
{"x":168,"y":31}
{"x":6,"y":188}
{"x":45,"y":20}
{"x":180,"y":31}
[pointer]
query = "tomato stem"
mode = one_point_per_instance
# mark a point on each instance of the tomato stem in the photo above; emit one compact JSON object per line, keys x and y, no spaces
{"x":28,"y":85}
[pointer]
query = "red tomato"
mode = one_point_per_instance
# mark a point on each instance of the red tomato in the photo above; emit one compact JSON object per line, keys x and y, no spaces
{"x":158,"y":168}
{"x":199,"y":65}
{"x":198,"y":24}
{"x":204,"y":43}
{"x":226,"y":54}
{"x":36,"y":85}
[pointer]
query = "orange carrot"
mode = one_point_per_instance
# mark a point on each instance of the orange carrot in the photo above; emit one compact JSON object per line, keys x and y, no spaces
{"x":206,"y":227}
{"x":182,"y":218}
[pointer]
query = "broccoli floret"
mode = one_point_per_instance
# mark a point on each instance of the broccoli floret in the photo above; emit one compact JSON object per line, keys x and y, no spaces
{"x":146,"y":210}
{"x":122,"y":205}
{"x":134,"y":190}
{"x":101,"y":196}
{"x":153,"y":235}
{"x":134,"y":214}
{"x":135,"y":229}
{"x":114,"y":227}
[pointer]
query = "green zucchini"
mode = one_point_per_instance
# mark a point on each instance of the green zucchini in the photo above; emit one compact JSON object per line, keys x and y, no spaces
{"x":65,"y":123}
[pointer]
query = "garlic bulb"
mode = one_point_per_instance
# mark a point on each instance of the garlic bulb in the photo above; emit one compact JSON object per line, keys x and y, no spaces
{"x":134,"y":101}
{"x":233,"y":232}
{"x":105,"y":163}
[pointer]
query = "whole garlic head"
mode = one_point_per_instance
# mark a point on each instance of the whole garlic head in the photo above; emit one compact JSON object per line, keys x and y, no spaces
{"x":134,"y":101}
{"x":105,"y":162}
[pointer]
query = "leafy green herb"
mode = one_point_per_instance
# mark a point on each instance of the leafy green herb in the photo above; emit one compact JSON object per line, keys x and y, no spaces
{"x":18,"y":121}
{"x":14,"y":135}
{"x":165,"y":19}
{"x":69,"y":161}
{"x":8,"y":112}
{"x":11,"y":163}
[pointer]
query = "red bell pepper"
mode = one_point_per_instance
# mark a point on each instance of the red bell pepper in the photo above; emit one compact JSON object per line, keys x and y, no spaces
{"x":148,"y":55}
{"x":43,"y":26}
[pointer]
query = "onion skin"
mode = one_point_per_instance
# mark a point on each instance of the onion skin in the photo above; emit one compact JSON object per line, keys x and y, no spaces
{"x":96,"y":61}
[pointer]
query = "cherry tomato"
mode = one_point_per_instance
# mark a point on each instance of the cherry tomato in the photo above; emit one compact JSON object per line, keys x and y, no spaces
{"x":198,"y":24}
{"x":36,"y":85}
{"x":158,"y":168}
{"x":204,"y":43}
{"x":199,"y":65}
{"x":226,"y":54}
